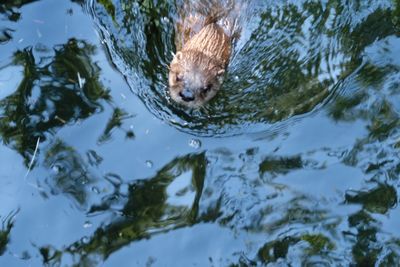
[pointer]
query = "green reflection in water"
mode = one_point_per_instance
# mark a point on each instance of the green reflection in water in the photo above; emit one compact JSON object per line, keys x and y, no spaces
{"x":53,"y":92}
{"x":293,"y":61}
{"x":72,"y":176}
{"x":9,"y":12}
{"x":116,"y":122}
{"x":148,"y":209}
{"x":5,"y":231}
{"x":61,"y":86}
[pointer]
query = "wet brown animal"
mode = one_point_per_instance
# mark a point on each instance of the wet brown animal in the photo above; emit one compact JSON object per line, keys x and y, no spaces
{"x":198,"y":68}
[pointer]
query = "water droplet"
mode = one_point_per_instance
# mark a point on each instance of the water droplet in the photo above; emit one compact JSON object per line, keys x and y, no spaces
{"x":95,"y":190}
{"x":87,"y":224}
{"x":85,"y":240}
{"x":56,"y":168}
{"x":149,"y":164}
{"x":81,"y":44}
{"x":195,"y":143}
{"x":236,"y":78}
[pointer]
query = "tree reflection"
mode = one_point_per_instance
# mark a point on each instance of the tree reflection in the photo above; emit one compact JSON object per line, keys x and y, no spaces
{"x":9,"y":12}
{"x":53,"y":92}
{"x":322,"y":48}
{"x":312,"y":246}
{"x":282,"y":165}
{"x":320,"y":247}
{"x":70,"y":175}
{"x":376,"y":153}
{"x":302,"y":52}
{"x":5,"y":231}
{"x":367,"y":246}
{"x":317,"y":244}
{"x":291,"y":63}
{"x":370,"y":97}
{"x":58,"y":88}
{"x":116,"y":122}
{"x":152,"y":206}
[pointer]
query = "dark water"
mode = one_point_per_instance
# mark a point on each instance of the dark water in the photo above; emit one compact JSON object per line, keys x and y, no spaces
{"x":296,"y":162}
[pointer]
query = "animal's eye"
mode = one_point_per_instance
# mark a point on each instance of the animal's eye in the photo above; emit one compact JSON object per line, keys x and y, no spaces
{"x":207,"y":88}
{"x":179,"y":77}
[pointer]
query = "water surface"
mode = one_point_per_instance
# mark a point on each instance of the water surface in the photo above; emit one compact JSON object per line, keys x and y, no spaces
{"x":295,"y":162}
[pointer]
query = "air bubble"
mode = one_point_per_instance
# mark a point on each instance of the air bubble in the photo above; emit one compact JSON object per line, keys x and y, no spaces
{"x":195,"y":143}
{"x":87,"y":224}
{"x":149,"y":164}
{"x":95,"y":190}
{"x":85,"y":240}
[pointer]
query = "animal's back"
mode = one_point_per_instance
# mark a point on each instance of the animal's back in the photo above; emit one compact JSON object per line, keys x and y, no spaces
{"x":212,"y":41}
{"x":204,"y":42}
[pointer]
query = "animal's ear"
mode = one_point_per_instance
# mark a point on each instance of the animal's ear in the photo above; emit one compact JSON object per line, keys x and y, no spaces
{"x":221,"y":72}
{"x":178,"y":55}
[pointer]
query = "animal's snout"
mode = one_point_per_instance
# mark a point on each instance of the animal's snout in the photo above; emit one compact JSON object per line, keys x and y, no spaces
{"x":186,"y":95}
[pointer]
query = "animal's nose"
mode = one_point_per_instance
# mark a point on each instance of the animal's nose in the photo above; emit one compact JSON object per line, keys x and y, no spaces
{"x":186,"y":95}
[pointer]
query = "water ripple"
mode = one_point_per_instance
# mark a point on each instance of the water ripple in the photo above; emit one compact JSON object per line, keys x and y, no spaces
{"x":288,"y":60}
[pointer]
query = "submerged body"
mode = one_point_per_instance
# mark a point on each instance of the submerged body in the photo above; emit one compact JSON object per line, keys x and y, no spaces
{"x":197,"y":70}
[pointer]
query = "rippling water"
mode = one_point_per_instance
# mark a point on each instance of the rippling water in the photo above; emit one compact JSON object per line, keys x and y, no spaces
{"x":290,"y":59}
{"x":294,"y":163}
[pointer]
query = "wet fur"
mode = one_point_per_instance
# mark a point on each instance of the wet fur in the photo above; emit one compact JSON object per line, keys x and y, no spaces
{"x":198,"y":68}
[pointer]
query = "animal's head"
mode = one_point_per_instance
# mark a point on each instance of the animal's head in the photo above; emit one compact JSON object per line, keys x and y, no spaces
{"x":194,"y":78}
